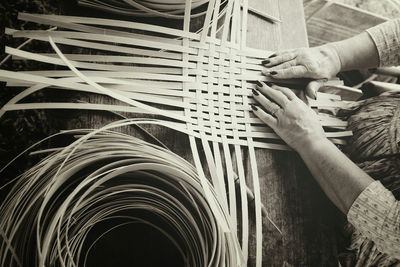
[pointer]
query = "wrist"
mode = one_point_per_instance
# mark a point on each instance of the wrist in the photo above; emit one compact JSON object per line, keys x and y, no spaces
{"x":333,"y":52}
{"x":357,"y":52}
{"x":311,"y":145}
{"x":343,"y":57}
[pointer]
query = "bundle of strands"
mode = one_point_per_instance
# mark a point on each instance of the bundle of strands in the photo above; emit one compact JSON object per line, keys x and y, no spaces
{"x":109,"y":179}
{"x":173,"y":9}
{"x":375,"y":147}
{"x":375,"y":124}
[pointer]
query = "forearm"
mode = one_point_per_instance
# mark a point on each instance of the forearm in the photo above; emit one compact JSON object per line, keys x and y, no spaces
{"x":340,"y":179}
{"x":378,"y":46}
{"x":358,"y":52}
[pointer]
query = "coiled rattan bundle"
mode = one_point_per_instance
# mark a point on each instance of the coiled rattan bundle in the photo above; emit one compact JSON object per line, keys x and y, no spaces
{"x":374,"y":123}
{"x":375,"y":144}
{"x":109,"y":176}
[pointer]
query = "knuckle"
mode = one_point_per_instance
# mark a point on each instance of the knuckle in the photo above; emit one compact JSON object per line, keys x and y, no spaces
{"x":311,"y":66}
{"x":288,"y":91}
{"x":265,"y":72}
{"x":289,"y":56}
{"x":285,"y":65}
{"x":296,"y":71}
{"x":284,"y":72}
{"x":263,"y":117}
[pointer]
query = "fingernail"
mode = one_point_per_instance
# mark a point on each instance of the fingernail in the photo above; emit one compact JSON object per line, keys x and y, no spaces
{"x":273,"y":73}
{"x":269,"y":84}
{"x":255,"y":92}
{"x":271,"y":56}
{"x":264,"y":62}
{"x":259,"y":84}
{"x":253,"y":107}
{"x":314,"y":95}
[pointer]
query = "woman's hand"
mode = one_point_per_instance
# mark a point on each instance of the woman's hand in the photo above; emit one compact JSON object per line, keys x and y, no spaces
{"x":320,"y":63}
{"x":287,"y":115}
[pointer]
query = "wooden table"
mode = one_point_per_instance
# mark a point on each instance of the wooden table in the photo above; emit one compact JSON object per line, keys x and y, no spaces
{"x":289,"y":193}
{"x":292,"y":198}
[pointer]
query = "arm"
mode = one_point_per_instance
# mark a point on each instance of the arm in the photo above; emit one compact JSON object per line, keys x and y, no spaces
{"x":299,"y":127}
{"x":323,"y":62}
{"x":358,"y":52}
{"x":340,"y":179}
{"x":370,"y":207}
{"x":378,"y":46}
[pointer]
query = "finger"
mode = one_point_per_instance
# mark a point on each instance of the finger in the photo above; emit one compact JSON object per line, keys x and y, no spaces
{"x":285,"y":65}
{"x":280,"y":52}
{"x":313,"y":87}
{"x":264,"y":116}
{"x":273,"y":94}
{"x":286,"y":91}
{"x":292,"y":72}
{"x":279,"y":59}
{"x":267,"y":104}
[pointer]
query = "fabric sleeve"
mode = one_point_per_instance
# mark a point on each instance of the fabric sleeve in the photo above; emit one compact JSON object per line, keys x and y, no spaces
{"x":376,"y":214}
{"x":386,"y":37}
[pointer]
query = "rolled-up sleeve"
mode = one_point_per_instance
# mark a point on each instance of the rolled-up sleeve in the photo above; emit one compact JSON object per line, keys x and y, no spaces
{"x":386,"y":37}
{"x":376,"y":215}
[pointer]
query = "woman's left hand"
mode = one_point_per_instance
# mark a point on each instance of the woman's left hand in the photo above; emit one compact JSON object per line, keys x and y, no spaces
{"x":318,"y":63}
{"x":296,"y":123}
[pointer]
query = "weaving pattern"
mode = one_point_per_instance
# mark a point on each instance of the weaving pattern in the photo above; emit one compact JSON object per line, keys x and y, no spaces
{"x":202,"y":81}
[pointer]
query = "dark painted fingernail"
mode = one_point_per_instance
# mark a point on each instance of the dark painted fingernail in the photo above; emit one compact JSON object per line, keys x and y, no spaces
{"x":269,"y":84}
{"x":259,"y":84}
{"x":253,"y":107}
{"x":271,"y":56}
{"x":314,"y":95}
{"x":255,"y":92}
{"x":273,"y":73}
{"x":265,"y":62}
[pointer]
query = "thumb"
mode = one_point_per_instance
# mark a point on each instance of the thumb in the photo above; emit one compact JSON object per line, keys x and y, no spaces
{"x":313,"y":87}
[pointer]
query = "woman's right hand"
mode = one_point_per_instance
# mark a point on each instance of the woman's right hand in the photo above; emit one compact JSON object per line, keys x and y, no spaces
{"x":296,"y":123}
{"x":319,"y":63}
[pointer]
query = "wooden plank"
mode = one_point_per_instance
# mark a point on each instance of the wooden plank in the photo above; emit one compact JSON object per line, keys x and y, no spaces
{"x":329,"y":21}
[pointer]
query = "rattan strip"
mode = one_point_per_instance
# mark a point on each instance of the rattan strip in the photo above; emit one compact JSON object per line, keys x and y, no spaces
{"x":167,"y":9}
{"x":162,"y":98}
